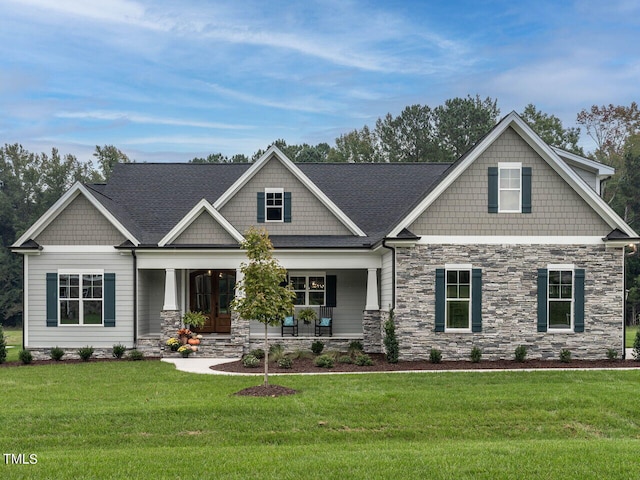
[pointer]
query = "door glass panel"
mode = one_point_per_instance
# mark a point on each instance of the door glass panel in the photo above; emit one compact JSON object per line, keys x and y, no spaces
{"x":226,"y":287}
{"x":203,"y":293}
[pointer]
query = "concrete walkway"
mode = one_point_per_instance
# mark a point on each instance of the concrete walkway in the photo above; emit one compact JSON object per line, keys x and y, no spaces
{"x":201,"y":365}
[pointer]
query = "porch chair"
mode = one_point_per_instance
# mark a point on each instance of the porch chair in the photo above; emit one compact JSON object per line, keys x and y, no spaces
{"x":324,"y":322}
{"x":291,"y":325}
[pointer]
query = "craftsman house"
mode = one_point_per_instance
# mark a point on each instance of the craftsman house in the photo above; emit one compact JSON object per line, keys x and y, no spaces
{"x":510,"y":245}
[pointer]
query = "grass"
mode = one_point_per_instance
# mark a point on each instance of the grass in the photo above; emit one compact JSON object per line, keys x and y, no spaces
{"x":13,"y":337}
{"x":147,"y":420}
{"x":630,"y":335}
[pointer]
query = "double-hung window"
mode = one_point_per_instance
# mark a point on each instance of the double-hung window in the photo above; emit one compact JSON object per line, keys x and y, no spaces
{"x":310,"y":288}
{"x":560,"y":297}
{"x":458,"y":299}
{"x":509,"y":187}
{"x":80,"y":298}
{"x":274,"y":204}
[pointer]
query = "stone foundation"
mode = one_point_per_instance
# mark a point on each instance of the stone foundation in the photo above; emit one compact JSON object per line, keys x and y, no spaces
{"x":372,"y":330}
{"x":292,"y":344}
{"x":72,"y":353}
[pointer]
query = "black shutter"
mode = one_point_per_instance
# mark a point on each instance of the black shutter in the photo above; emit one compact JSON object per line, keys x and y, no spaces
{"x":526,"y":189}
{"x":493,"y":189}
{"x":440,"y":300}
{"x":260,"y":207}
{"x":287,"y":207}
{"x":578,"y":304}
{"x":109,"y":299}
{"x":542,"y":299}
{"x":476,"y":300}
{"x":52,"y":299}
{"x":331,"y":291}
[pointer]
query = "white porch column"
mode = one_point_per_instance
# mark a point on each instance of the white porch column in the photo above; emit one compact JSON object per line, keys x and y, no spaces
{"x":372,"y":290}
{"x":170,"y":300}
{"x":239,"y":278}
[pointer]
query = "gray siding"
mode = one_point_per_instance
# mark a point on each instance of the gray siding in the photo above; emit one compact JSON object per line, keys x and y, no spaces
{"x":204,"y":230}
{"x":556,"y":208}
{"x":308,"y":215}
{"x":509,"y":301}
{"x":79,"y":336}
{"x":587,"y":176}
{"x":150,"y":300}
{"x":350,"y":303}
{"x":80,"y":224}
{"x":386,"y":282}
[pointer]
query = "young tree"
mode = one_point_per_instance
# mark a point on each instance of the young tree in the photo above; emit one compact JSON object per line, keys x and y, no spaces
{"x":264,"y":296}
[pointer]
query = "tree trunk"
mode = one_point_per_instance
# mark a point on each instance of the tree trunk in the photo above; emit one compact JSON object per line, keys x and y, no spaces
{"x":266,"y":357}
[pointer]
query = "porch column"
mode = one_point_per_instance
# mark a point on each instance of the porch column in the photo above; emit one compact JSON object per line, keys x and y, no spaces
{"x":239,"y":278}
{"x":372,"y":290}
{"x":170,"y":300}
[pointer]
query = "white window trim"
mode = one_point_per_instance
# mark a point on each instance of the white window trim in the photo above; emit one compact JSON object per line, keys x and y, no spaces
{"x":308,"y":274}
{"x":457,"y":267}
{"x":80,"y":305}
{"x":560,"y":267}
{"x":266,"y":192}
{"x":511,"y":166}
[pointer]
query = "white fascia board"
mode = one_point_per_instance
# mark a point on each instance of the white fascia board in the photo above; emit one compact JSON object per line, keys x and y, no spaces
{"x":312,"y":187}
{"x":508,"y":240}
{"x":601,"y":169}
{"x":62,"y":203}
{"x":202,"y":206}
{"x":546,"y":152}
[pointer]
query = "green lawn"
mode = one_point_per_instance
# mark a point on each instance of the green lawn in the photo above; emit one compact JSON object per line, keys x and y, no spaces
{"x":147,"y":420}
{"x":630,"y":336}
{"x":13,"y":337}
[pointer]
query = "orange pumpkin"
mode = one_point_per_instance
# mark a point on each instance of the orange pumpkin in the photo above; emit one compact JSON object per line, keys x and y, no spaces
{"x":193,"y":341}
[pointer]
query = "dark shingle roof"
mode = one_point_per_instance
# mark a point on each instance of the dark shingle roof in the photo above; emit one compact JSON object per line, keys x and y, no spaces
{"x":149,"y":199}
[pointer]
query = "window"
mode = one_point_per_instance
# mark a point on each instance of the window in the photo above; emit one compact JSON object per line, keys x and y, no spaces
{"x":560,"y":298}
{"x":274,"y":204}
{"x":310,"y":288}
{"x":509,"y":187}
{"x":458,"y":299}
{"x":80,"y":298}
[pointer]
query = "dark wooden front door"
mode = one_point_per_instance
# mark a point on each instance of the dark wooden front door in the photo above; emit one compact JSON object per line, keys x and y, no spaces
{"x":211,"y":293}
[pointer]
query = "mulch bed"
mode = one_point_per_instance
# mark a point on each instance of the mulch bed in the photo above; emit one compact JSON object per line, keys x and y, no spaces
{"x":306,"y":365}
{"x":266,"y":391}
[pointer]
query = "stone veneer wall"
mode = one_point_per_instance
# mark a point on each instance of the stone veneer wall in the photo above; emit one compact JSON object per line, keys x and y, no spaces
{"x":372,"y":329}
{"x":292,"y":344}
{"x":509,"y":301}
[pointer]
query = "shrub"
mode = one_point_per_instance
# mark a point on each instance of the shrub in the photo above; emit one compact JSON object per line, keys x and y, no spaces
{"x":521,"y":353}
{"x":390,"y":339}
{"x":435,"y":355}
{"x":296,"y":354}
{"x":363,"y":360}
{"x":355,"y":347}
{"x":317,"y":347}
{"x":345,"y":359}
{"x":3,"y":346}
{"x":25,"y":357}
{"x":565,"y":355}
{"x":285,"y":362}
{"x":135,"y":355}
{"x":85,"y":353}
{"x":612,"y":354}
{"x":476,"y":354}
{"x":56,"y":353}
{"x":250,"y":361}
{"x":276,"y":352}
{"x":258,"y":353}
{"x":118,"y":351}
{"x":324,"y":361}
{"x":636,"y":346}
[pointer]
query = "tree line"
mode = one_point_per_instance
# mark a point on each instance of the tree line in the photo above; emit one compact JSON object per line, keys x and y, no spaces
{"x":31,"y":182}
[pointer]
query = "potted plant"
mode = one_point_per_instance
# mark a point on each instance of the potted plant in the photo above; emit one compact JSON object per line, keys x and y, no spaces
{"x":173,"y":344}
{"x":194,"y":319}
{"x":185,"y":350}
{"x":184,"y":334}
{"x":307,"y":315}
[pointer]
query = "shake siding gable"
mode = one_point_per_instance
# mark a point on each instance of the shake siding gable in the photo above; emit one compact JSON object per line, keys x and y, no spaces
{"x":308,"y":215}
{"x":80,"y":224}
{"x":556,"y":208}
{"x":204,"y":230}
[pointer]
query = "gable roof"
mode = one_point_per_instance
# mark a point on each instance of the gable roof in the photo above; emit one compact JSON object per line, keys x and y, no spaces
{"x":50,"y":215}
{"x":547,"y":153}
{"x":274,"y":152}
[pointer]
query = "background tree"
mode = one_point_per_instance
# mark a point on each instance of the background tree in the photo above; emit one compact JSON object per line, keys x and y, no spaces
{"x":357,"y":146}
{"x":107,"y":157}
{"x":550,"y":129}
{"x":263,"y":297}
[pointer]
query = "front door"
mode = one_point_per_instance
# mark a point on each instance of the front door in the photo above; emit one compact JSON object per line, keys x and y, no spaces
{"x":211,"y":294}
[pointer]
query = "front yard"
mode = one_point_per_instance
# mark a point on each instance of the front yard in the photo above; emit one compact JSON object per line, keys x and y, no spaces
{"x":147,"y":420}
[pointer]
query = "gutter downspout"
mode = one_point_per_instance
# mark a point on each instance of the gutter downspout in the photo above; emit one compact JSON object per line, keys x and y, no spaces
{"x":135,"y":297}
{"x":393,"y":272}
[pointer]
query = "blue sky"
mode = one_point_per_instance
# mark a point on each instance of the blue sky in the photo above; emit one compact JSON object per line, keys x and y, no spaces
{"x":167,"y":80}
